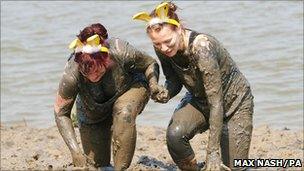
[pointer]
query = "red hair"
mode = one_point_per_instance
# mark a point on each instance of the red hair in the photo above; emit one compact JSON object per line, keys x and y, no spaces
{"x":89,"y":62}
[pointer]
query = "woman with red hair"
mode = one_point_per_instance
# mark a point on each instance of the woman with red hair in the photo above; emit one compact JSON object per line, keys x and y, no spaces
{"x":110,"y":80}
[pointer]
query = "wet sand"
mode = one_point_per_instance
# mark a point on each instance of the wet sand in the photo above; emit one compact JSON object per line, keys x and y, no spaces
{"x":24,"y":148}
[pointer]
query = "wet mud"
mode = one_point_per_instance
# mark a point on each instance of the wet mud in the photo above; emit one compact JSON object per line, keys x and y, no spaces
{"x":24,"y":148}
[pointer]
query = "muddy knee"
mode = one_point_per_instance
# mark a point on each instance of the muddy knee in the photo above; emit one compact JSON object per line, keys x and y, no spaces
{"x":178,"y":142}
{"x":124,"y":130}
{"x":124,"y":115}
{"x":124,"y":138}
{"x":174,"y":136}
{"x":180,"y":149}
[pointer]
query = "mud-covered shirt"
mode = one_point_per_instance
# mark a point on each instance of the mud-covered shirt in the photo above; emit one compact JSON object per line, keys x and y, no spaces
{"x":207,"y":71}
{"x":95,"y":99}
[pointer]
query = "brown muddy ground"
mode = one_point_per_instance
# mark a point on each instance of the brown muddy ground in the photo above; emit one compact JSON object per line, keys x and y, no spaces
{"x":27,"y":148}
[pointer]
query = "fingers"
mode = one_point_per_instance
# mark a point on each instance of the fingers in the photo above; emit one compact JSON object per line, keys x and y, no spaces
{"x":154,"y":92}
{"x":204,"y":168}
{"x":159,"y":94}
{"x":211,"y":167}
{"x":82,"y":160}
{"x":80,"y":168}
{"x":224,"y":167}
{"x":89,"y":161}
{"x":161,"y":98}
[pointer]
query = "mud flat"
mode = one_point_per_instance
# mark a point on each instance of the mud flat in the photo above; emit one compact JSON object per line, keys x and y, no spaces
{"x":24,"y":148}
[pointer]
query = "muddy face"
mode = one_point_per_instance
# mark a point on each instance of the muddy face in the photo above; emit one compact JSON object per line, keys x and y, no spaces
{"x":96,"y":73}
{"x":166,"y":39}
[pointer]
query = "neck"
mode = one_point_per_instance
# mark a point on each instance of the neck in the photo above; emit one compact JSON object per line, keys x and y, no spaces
{"x":184,"y":40}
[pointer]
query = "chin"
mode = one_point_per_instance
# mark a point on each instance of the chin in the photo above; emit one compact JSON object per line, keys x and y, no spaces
{"x":171,"y":54}
{"x":94,"y":80}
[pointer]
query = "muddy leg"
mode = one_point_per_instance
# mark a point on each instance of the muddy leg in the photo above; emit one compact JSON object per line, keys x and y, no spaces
{"x":236,"y":136}
{"x":185,"y":123}
{"x":96,"y":141}
{"x":125,"y":110}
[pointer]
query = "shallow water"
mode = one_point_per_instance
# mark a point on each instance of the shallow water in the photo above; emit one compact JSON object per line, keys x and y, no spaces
{"x":264,"y":38}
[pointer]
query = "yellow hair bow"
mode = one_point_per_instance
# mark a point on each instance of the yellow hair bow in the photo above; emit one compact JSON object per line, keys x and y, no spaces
{"x":162,"y":16}
{"x":92,"y":45}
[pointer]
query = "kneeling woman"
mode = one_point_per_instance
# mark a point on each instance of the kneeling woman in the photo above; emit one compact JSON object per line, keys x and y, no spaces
{"x":218,"y":98}
{"x":110,"y":81}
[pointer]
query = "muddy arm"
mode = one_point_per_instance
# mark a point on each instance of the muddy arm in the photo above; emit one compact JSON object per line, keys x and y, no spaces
{"x":64,"y":124}
{"x":152,"y":74}
{"x":211,"y":78}
{"x":139,"y":61}
{"x":62,"y":108}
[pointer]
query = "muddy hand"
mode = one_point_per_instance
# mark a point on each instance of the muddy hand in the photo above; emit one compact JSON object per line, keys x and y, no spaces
{"x":155,"y":89}
{"x":214,"y":162}
{"x":222,"y":166}
{"x":225,"y":168}
{"x":159,"y":94}
{"x":81,"y":160}
{"x":163,"y":96}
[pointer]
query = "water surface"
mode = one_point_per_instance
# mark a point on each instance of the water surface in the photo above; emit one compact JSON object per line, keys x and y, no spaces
{"x":264,"y":38}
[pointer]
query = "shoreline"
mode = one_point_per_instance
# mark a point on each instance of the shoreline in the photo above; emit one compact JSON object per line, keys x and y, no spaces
{"x":48,"y":124}
{"x":24,"y":147}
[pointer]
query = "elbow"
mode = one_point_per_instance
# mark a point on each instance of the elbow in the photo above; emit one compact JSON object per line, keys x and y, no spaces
{"x":60,"y":113}
{"x":155,"y":66}
{"x":216,"y":108}
{"x":56,"y":109}
{"x":57,"y":116}
{"x":62,"y":106}
{"x":60,"y":119}
{"x":152,"y":71}
{"x":215,"y":102}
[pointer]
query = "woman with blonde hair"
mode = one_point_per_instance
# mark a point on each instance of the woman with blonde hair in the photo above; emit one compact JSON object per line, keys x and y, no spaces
{"x":219,"y":97}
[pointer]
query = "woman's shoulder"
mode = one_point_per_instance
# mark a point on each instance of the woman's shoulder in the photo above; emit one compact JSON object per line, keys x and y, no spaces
{"x":121,"y":50}
{"x":71,"y":67}
{"x":117,"y":44}
{"x":117,"y":49}
{"x":204,"y":41}
{"x":205,"y":46}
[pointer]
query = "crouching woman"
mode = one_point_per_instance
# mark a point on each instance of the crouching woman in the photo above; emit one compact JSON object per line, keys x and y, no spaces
{"x":109,"y":79}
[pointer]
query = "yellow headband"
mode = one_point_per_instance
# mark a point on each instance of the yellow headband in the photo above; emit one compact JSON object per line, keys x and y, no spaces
{"x":162,"y":16}
{"x":92,"y":45}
